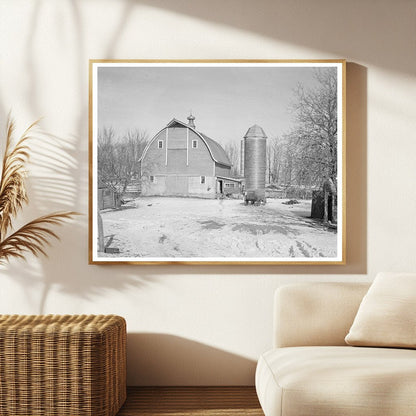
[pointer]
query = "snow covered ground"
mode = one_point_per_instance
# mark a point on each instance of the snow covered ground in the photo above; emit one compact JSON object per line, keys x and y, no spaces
{"x":189,"y":227}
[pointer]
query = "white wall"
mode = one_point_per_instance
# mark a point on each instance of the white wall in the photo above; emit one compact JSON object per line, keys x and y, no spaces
{"x":190,"y":324}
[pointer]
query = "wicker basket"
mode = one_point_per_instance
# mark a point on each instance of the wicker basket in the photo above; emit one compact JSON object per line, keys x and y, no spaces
{"x":54,"y":365}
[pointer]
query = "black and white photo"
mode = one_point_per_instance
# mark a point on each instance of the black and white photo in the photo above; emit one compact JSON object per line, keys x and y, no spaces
{"x":217,"y":162}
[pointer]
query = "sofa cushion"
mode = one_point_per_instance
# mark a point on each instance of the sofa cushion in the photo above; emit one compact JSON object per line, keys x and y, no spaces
{"x":342,"y":381}
{"x":315,"y":314}
{"x":387,"y":314}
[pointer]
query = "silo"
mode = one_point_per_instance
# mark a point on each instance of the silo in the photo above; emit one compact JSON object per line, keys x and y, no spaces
{"x":255,"y":164}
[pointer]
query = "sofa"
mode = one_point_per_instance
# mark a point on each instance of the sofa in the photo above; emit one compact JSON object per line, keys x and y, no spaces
{"x":312,"y":371}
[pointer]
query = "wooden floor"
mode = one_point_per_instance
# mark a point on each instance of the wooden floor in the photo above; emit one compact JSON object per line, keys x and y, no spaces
{"x":187,"y":401}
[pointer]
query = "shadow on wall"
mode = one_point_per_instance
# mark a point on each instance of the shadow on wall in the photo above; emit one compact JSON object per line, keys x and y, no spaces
{"x":161,"y":359}
{"x":59,"y":181}
{"x":339,"y":28}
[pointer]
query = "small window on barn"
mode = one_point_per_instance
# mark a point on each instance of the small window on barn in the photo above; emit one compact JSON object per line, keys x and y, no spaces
{"x":160,"y":144}
{"x":202,"y":179}
{"x":153,"y":179}
{"x":194,"y":144}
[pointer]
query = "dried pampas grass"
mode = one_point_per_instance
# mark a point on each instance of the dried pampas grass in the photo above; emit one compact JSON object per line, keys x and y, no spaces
{"x":34,"y":236}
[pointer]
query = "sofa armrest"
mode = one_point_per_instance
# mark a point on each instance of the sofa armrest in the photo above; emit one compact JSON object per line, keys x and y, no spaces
{"x":309,"y":314}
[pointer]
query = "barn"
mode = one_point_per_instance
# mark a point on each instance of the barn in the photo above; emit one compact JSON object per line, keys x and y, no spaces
{"x":181,"y":161}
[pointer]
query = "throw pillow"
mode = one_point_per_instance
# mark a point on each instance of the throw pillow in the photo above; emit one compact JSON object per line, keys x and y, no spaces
{"x":387,"y":314}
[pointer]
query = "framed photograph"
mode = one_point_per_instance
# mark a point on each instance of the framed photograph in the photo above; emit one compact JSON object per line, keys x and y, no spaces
{"x":208,"y":162}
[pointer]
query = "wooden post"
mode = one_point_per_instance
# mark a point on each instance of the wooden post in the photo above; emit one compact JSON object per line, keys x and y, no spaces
{"x":100,"y":232}
{"x":326,"y":206}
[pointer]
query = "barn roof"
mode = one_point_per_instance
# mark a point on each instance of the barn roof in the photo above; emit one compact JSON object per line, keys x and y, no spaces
{"x":216,"y":150}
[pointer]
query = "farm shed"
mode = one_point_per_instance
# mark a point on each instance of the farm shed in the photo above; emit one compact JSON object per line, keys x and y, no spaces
{"x":106,"y":197}
{"x":228,"y":186}
{"x":181,"y":161}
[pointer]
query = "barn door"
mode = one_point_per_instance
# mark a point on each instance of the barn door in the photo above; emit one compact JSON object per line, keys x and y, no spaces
{"x":177,"y":185}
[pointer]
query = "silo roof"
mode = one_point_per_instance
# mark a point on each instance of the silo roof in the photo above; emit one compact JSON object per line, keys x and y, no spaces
{"x":255,"y":131}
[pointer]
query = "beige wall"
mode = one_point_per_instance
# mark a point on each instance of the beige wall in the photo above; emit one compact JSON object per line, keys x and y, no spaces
{"x":205,"y":325}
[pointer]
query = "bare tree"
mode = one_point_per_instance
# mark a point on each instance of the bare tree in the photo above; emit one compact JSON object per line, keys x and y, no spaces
{"x":130,"y":148}
{"x":269,"y":160}
{"x":118,"y":157}
{"x":275,"y":159}
{"x":313,"y":141}
{"x":233,"y":153}
{"x":107,"y":166}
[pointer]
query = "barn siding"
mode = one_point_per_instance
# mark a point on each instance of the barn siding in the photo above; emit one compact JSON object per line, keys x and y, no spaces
{"x":177,"y":138}
{"x":176,"y":161}
{"x":177,"y":185}
{"x":221,"y":170}
{"x":199,"y":159}
{"x":206,"y":189}
{"x":154,"y":188}
{"x":154,"y":159}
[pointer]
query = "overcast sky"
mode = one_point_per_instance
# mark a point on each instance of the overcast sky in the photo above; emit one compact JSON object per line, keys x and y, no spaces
{"x":225,"y":101}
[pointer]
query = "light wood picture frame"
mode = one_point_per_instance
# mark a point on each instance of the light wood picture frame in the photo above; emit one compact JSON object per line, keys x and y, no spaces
{"x":217,"y":162}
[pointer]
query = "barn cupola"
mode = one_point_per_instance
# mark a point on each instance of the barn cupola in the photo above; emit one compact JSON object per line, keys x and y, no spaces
{"x":191,"y":119}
